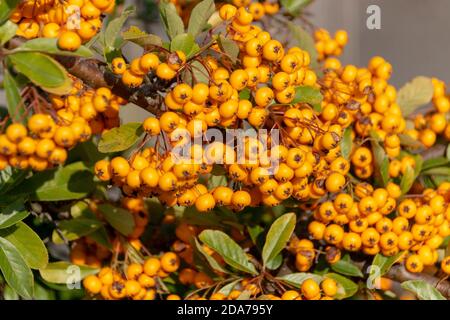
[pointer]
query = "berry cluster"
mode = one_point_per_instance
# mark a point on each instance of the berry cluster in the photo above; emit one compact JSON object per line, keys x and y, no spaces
{"x":327,"y":46}
{"x":44,"y":141}
{"x":59,"y":19}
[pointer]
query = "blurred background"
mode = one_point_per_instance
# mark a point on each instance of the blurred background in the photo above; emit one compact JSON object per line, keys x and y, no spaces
{"x":414,"y":34}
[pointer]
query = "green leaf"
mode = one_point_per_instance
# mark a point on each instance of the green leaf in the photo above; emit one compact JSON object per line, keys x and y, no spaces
{"x":309,"y":95}
{"x":245,"y":94}
{"x":13,"y":213}
{"x":171,"y":20}
{"x":229,"y":250}
{"x":73,"y":181}
{"x":9,"y":293}
{"x":408,"y":141}
{"x":15,"y":270}
{"x":381,"y":160}
{"x":382,"y":264}
{"x":59,"y":272}
{"x":294,"y":7}
{"x":200,"y":73}
{"x":11,"y":177}
{"x":184,"y":42}
{"x":39,"y":68}
{"x":441,"y":171}
{"x":217,"y":181}
{"x":229,"y":47}
{"x":200,"y":16}
{"x":407,"y":180}
{"x":141,"y":38}
{"x":346,"y":287}
{"x":28,"y":243}
{"x":277,"y":237}
{"x":448,"y":152}
{"x":110,"y":38}
{"x":7,"y":31}
{"x":296,"y":279}
{"x":75,"y":228}
{"x":434,"y":163}
{"x":256,"y":234}
{"x":50,"y":46}
{"x":347,"y":268}
{"x":121,"y":138}
{"x":415,"y":94}
{"x":275,"y":263}
{"x":211,"y":261}
{"x":347,"y":143}
{"x":43,"y":293}
{"x":120,"y":219}
{"x":423,"y":290}
{"x":226,"y":289}
{"x":6,"y":8}
{"x":305,"y":41}
{"x":13,"y":99}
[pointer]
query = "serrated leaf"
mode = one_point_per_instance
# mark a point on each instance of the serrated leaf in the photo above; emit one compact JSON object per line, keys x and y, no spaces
{"x":346,"y":143}
{"x":16,"y":108}
{"x":59,"y":272}
{"x":229,"y":250}
{"x":7,"y":31}
{"x":346,"y":287}
{"x":50,"y":46}
{"x":120,"y":219}
{"x":294,"y":7}
{"x":229,"y":47}
{"x":171,"y":20}
{"x":13,"y":213}
{"x":41,"y":69}
{"x":415,"y":94}
{"x":381,"y":161}
{"x":347,"y":268}
{"x":141,"y":38}
{"x":6,"y":8}
{"x":309,"y":95}
{"x":28,"y":243}
{"x":15,"y":270}
{"x":110,"y":38}
{"x":211,"y":261}
{"x":184,"y":42}
{"x":277,"y":237}
{"x":200,"y":16}
{"x":121,"y":138}
{"x":73,"y":181}
{"x":423,"y":290}
{"x":382,"y":264}
{"x":296,"y":279}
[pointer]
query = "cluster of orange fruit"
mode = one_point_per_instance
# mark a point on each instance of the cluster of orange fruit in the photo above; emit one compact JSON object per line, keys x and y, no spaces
{"x":49,"y":133}
{"x":428,"y":127}
{"x":139,"y":281}
{"x":86,"y":252}
{"x":72,"y":22}
{"x":327,"y":46}
{"x":363,"y":222}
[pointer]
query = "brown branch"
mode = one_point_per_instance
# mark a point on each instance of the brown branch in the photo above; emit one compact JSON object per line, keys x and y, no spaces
{"x":400,"y":274}
{"x":95,"y":74}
